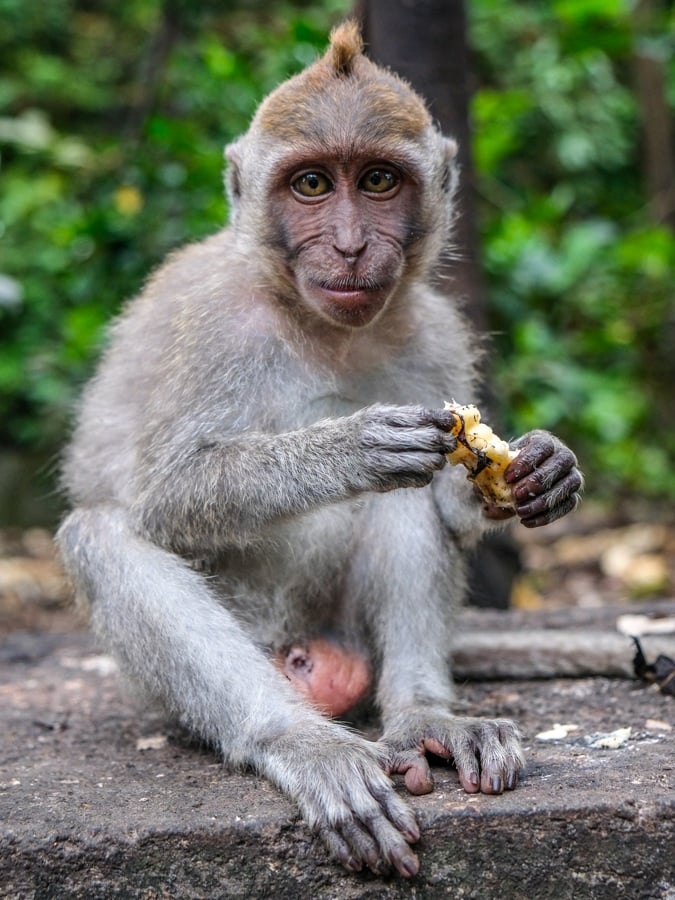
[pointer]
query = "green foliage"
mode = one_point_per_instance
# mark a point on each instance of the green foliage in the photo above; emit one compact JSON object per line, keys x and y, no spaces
{"x":113,"y":117}
{"x":581,"y":280}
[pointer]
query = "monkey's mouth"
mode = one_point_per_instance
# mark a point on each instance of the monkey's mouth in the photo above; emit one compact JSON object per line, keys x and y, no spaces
{"x":349,"y":301}
{"x":351,"y":290}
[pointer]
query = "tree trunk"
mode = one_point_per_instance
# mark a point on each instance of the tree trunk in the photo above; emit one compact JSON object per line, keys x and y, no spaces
{"x":657,"y":119}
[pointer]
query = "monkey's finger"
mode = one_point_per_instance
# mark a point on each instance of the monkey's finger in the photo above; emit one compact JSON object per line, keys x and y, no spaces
{"x":405,"y":861}
{"x":487,"y":755}
{"x":552,"y":470}
{"x":551,"y":515}
{"x":364,"y":847}
{"x":431,"y":745}
{"x":413,"y":765}
{"x":391,"y":823}
{"x":393,"y":846}
{"x":418,"y":778}
{"x":497,"y":513}
{"x":408,"y":440}
{"x":442,"y":418}
{"x":538,"y":494}
{"x":414,"y":461}
{"x":398,"y":470}
{"x":399,"y":813}
{"x":467,"y":764}
{"x":403,"y":480}
{"x":501,"y":757}
{"x":500,"y":779}
{"x":340,"y":850}
{"x":534,"y":449}
{"x":417,"y":416}
{"x":404,"y":428}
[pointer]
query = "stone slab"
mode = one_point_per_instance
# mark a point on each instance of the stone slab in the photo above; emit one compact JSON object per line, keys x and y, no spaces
{"x":86,"y":812}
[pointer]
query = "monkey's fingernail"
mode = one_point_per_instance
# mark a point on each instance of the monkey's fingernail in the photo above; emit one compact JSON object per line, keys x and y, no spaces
{"x":412,"y":834}
{"x":496,"y":784}
{"x":511,"y":781}
{"x":474,"y":779}
{"x":411,"y":864}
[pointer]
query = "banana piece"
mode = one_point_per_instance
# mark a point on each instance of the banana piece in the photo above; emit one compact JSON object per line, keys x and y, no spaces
{"x":485,"y":455}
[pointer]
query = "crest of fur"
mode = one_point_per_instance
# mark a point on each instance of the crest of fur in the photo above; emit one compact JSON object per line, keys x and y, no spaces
{"x":346,"y":45}
{"x":342,"y":92}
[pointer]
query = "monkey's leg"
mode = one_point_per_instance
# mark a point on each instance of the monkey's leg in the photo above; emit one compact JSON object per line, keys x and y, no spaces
{"x":168,"y":630}
{"x":410,"y":577}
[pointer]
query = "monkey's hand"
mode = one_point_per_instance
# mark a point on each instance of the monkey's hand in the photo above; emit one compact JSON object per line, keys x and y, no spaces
{"x":338,"y":781}
{"x":486,"y":752}
{"x":535,"y":477}
{"x":544,"y":479}
{"x":399,"y":446}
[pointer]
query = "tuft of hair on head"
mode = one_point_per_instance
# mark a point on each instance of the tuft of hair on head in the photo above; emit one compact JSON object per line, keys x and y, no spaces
{"x":346,"y":45}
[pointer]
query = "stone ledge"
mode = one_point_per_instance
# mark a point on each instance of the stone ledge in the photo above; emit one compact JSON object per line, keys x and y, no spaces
{"x":86,"y":813}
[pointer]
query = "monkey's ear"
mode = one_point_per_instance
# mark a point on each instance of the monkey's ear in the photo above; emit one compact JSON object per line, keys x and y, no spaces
{"x":449,"y":182}
{"x":451,"y":149}
{"x":232,"y":175}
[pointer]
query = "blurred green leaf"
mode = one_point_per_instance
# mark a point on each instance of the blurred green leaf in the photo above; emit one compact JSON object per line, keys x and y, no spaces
{"x":581,"y":283}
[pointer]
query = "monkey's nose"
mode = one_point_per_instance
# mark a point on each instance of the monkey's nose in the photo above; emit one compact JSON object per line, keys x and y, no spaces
{"x":352,"y":253}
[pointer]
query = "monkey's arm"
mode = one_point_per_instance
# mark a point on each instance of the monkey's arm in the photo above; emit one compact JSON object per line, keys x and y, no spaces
{"x":219,"y":492}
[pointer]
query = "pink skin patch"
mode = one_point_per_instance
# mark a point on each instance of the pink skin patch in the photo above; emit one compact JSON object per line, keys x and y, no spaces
{"x":331,"y":677}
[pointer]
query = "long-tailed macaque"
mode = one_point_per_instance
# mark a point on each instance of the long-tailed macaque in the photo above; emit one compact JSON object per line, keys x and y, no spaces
{"x":265,"y":527}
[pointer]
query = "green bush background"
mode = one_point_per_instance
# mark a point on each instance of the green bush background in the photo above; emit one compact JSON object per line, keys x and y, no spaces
{"x":113,"y":117}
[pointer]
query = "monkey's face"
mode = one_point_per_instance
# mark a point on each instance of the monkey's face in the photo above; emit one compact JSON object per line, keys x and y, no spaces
{"x":344,"y":228}
{"x":342,"y":187}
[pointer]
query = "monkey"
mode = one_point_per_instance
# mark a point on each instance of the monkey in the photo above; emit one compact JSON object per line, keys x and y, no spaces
{"x":263,"y":524}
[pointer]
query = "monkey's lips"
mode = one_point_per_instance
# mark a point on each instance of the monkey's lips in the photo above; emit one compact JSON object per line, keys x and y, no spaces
{"x":351,"y":302}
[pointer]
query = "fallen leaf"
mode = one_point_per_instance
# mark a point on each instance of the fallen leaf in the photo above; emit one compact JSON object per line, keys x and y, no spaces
{"x":152,"y":742}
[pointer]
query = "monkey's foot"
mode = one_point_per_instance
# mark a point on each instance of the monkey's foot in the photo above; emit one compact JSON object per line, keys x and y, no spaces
{"x":337,"y":779}
{"x":486,"y":752}
{"x":332,"y":677}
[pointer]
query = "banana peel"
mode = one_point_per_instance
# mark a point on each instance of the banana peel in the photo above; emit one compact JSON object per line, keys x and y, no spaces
{"x":484,"y":454}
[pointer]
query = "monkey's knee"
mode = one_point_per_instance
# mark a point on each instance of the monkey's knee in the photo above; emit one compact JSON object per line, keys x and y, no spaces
{"x":88,"y":541}
{"x":67,"y":535}
{"x":330,"y":676}
{"x":85,"y":527}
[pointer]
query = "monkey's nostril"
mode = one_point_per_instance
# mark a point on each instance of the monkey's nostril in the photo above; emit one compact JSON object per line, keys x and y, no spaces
{"x":350,"y":250}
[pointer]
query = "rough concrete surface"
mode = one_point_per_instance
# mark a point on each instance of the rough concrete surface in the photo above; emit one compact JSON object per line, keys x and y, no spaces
{"x":87,"y":812}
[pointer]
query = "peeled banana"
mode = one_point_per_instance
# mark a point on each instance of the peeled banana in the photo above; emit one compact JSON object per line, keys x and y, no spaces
{"x":485,"y":455}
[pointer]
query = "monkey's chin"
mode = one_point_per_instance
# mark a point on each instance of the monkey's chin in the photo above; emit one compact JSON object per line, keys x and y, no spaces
{"x":348,"y":308}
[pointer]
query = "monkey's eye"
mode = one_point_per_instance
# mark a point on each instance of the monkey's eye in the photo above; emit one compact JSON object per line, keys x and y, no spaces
{"x":379,"y":181}
{"x":312,"y":184}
